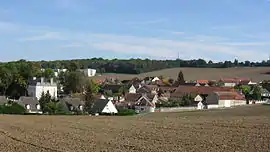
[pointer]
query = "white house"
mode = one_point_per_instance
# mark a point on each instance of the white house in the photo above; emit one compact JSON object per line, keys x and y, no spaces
{"x":132,"y":89}
{"x":38,"y":85}
{"x":89,"y":72}
{"x":155,"y":79}
{"x":198,"y":98}
{"x":57,"y":71}
{"x":103,"y":106}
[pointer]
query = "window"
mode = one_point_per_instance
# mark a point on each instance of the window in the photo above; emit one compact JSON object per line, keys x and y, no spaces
{"x":38,"y":107}
{"x":27,"y":107}
{"x":81,"y":107}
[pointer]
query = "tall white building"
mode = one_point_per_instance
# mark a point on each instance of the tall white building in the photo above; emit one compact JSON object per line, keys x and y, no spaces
{"x":89,"y":72}
{"x":38,"y":85}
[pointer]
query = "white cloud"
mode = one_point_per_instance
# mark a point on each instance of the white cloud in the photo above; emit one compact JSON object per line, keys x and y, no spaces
{"x":190,"y":47}
{"x":7,"y":26}
{"x":247,"y":44}
{"x":178,"y":33}
{"x":73,"y":45}
{"x":146,"y":22}
{"x":45,"y":36}
{"x":77,"y":6}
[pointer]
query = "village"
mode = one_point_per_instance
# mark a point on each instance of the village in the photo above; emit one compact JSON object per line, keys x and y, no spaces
{"x":150,"y":94}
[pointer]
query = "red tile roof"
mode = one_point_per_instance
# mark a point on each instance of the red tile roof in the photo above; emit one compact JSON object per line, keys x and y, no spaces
{"x":181,"y":90}
{"x":202,"y":81}
{"x":230,"y":96}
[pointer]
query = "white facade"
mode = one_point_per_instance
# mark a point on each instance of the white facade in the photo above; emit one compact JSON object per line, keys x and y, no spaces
{"x":36,"y":90}
{"x":155,"y":79}
{"x":109,"y":108}
{"x":89,"y":72}
{"x":200,"y":105}
{"x":229,"y":84}
{"x":198,"y":98}
{"x":132,"y":89}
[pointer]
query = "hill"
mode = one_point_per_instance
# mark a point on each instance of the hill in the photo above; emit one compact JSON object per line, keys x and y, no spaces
{"x":254,"y":73}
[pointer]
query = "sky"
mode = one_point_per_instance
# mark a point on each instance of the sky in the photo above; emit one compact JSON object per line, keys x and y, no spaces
{"x":214,"y":30}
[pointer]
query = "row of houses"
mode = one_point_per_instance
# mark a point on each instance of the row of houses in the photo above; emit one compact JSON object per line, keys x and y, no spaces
{"x":88,"y":72}
{"x":32,"y":105}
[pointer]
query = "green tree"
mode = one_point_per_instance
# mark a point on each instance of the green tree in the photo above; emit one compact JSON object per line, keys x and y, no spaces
{"x":256,"y":93}
{"x":180,"y":78}
{"x":48,"y":73}
{"x":91,"y":89}
{"x":44,"y":100}
{"x":74,"y":82}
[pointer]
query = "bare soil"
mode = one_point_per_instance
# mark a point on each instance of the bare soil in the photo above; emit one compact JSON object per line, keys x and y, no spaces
{"x":237,"y":129}
{"x":255,"y":73}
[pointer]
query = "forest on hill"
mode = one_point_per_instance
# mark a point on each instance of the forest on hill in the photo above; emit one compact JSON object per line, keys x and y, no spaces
{"x":137,"y":66}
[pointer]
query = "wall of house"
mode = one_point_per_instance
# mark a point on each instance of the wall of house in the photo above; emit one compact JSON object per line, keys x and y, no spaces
{"x":132,"y":89}
{"x":176,"y":109}
{"x":231,"y":103}
{"x":198,"y":98}
{"x":142,"y":109}
{"x":214,"y":106}
{"x":229,"y":84}
{"x":89,"y":72}
{"x":109,"y":108}
{"x":39,"y":89}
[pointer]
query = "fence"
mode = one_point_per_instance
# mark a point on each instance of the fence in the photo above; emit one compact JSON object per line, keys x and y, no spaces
{"x":175,"y":109}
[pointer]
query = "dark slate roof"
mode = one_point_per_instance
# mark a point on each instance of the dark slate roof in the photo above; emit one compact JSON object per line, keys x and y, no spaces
{"x":32,"y":101}
{"x":99,"y":105}
{"x":132,"y":97}
{"x":74,"y":102}
{"x":3,"y":100}
{"x":112,"y":87}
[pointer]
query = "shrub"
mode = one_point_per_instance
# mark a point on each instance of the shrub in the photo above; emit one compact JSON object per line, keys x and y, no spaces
{"x":13,"y":108}
{"x":126,"y":112}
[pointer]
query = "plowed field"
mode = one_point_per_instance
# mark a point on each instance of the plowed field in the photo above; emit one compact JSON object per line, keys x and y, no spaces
{"x":238,"y":129}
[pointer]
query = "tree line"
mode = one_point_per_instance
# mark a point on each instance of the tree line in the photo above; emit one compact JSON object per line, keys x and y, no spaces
{"x":136,"y":66}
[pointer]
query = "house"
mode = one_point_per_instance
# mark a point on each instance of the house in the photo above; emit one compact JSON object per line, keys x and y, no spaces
{"x":198,"y":98}
{"x":232,"y":82}
{"x":141,"y":102}
{"x":148,"y":89}
{"x":3,"y":100}
{"x":224,"y":99}
{"x":203,"y":91}
{"x":37,"y":86}
{"x":265,"y":93}
{"x":113,"y":88}
{"x":31,"y":104}
{"x":89,"y":72}
{"x":229,"y":82}
{"x":58,"y":71}
{"x":103,"y":106}
{"x":155,"y":79}
{"x":74,"y":104}
{"x":132,"y":89}
{"x":202,"y":83}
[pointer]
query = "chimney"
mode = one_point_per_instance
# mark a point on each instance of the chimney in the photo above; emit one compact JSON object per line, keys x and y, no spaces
{"x":42,"y":80}
{"x":51,"y":81}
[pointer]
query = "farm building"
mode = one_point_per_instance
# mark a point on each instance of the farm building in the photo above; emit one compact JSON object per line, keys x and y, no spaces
{"x":224,"y":99}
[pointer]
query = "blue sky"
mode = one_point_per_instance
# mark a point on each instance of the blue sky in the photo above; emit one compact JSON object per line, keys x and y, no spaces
{"x":67,"y":29}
